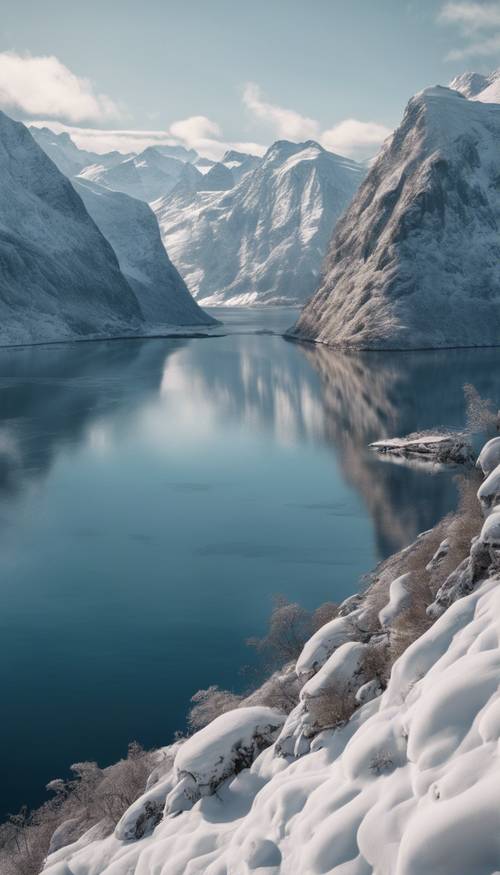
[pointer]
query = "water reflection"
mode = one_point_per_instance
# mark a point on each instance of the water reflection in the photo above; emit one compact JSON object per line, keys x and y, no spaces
{"x":154,"y":495}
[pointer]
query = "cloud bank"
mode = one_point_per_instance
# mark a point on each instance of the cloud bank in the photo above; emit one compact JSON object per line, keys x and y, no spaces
{"x":351,"y":137}
{"x":43,"y":86}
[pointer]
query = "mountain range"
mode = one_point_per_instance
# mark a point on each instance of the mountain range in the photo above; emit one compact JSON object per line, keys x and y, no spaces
{"x":263,"y":240}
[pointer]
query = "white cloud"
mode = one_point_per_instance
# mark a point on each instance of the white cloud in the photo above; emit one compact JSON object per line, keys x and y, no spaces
{"x":478,"y":24}
{"x":43,"y":86}
{"x":354,"y":138}
{"x":357,"y":139}
{"x":475,"y":16}
{"x":287,"y":123}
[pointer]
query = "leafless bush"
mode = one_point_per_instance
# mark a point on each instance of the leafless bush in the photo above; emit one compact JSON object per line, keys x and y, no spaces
{"x":280,"y":691}
{"x":209,"y":704}
{"x":93,"y":795}
{"x":331,"y":708}
{"x":481,"y":415}
{"x":322,"y":615}
{"x":376,"y":663}
{"x":381,"y":762}
{"x":290,"y":626}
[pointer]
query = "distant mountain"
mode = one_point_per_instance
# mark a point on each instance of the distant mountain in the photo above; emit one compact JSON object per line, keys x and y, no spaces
{"x":477,"y":86}
{"x":415,"y":261}
{"x":261,"y":242}
{"x":67,"y":156}
{"x":146,"y":176}
{"x":240,"y":163}
{"x":59,"y":276}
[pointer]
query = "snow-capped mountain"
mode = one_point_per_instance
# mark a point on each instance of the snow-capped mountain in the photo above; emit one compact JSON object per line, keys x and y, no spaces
{"x":477,"y":86}
{"x":67,"y":156}
{"x":415,"y":262}
{"x":131,"y":228}
{"x":239,"y":163}
{"x":59,"y":276}
{"x":261,"y":242}
{"x":146,"y":176}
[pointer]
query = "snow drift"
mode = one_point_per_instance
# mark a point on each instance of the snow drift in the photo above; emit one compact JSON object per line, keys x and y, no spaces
{"x":415,"y":261}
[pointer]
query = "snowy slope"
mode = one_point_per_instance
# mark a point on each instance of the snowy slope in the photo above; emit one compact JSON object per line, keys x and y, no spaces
{"x":261,"y":242}
{"x":146,"y":176}
{"x":415,"y":262}
{"x":407,"y":786}
{"x":59,"y":277}
{"x":131,"y":228}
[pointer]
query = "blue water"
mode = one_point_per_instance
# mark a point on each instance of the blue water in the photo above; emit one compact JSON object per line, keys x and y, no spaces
{"x":155,"y":495}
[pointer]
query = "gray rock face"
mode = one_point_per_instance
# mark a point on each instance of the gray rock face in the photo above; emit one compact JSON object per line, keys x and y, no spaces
{"x":261,"y":242}
{"x":59,"y":277}
{"x":415,"y":261}
{"x":131,"y":228}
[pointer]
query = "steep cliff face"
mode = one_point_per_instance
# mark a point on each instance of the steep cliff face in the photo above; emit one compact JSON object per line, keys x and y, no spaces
{"x":59,"y":277}
{"x":131,"y":228}
{"x":415,"y":261}
{"x":262,"y":242}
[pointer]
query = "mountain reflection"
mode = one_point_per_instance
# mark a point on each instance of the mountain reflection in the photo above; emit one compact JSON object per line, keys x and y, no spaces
{"x":311,"y":393}
{"x":51,"y":395}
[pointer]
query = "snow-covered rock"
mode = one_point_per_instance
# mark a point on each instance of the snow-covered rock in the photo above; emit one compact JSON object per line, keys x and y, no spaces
{"x":399,"y":600}
{"x":59,"y":276}
{"x":428,"y":449}
{"x":415,"y":261}
{"x":131,"y":228}
{"x":489,"y":457}
{"x":261,"y":242}
{"x":489,"y":491}
{"x":227,"y":745}
{"x":340,"y":671}
{"x":325,"y":641}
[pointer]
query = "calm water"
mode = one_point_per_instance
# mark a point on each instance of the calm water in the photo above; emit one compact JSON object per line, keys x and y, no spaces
{"x":154,"y":495}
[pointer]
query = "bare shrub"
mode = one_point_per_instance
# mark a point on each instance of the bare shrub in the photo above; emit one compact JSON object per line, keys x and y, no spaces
{"x":290,"y":626}
{"x":481,"y":415}
{"x":322,"y":615}
{"x":381,"y":762}
{"x":93,"y":795}
{"x":209,"y":704}
{"x":331,"y":708}
{"x":376,"y":663}
{"x":281,"y":691}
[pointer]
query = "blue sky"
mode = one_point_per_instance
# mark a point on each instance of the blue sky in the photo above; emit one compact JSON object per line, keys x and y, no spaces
{"x":230,"y":72}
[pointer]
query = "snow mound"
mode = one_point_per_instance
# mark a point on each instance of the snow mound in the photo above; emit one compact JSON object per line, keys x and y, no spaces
{"x":223,"y":748}
{"x":489,"y":457}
